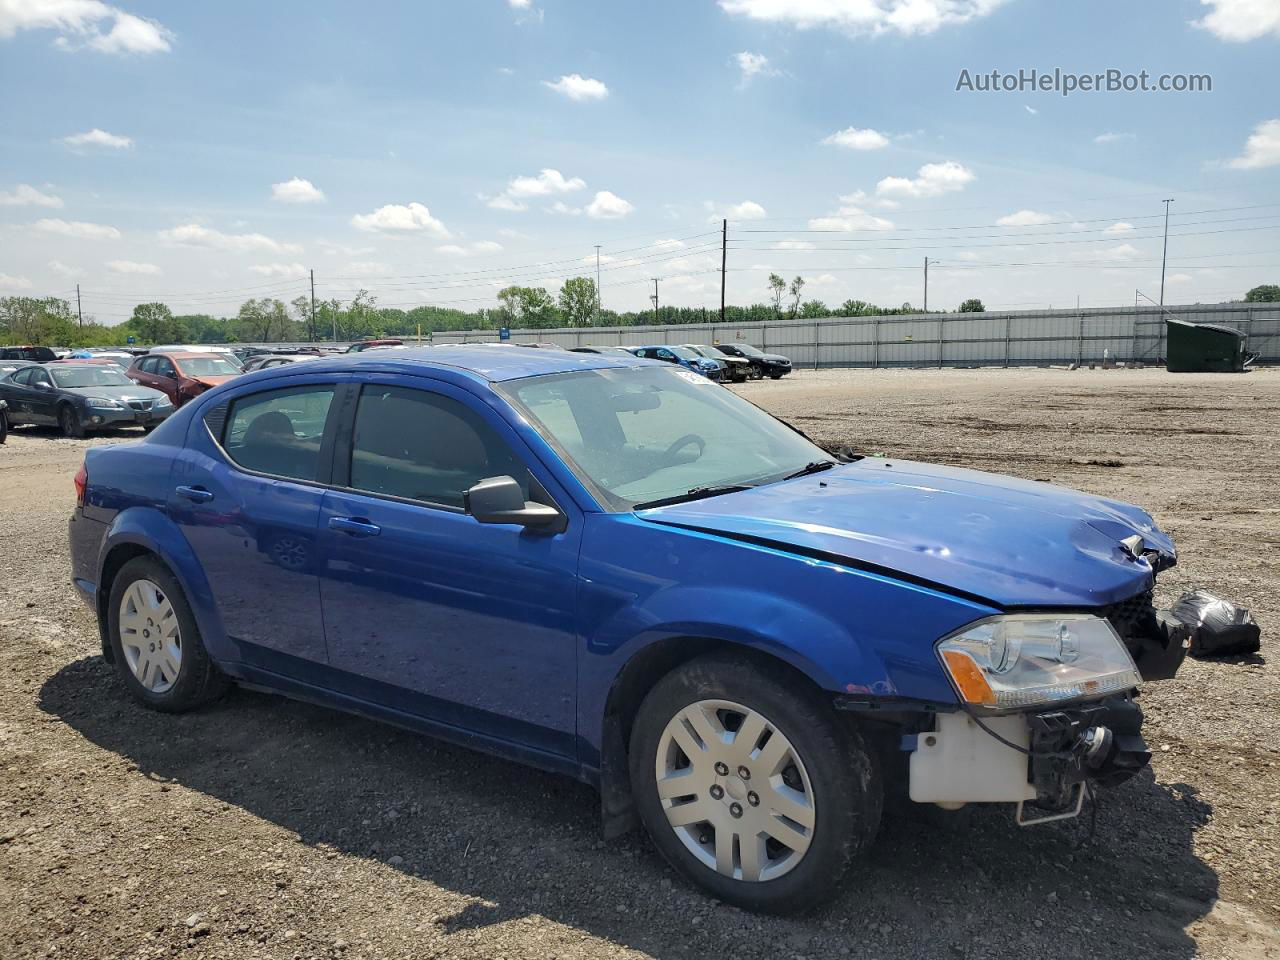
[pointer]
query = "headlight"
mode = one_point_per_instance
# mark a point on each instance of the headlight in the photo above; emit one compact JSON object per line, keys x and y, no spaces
{"x":103,"y":403}
{"x":1024,"y":660}
{"x":162,"y":402}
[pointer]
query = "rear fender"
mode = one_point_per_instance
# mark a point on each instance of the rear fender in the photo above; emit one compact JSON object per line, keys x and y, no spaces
{"x":149,"y":528}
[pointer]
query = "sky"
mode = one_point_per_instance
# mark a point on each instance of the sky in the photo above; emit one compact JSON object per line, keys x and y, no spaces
{"x":434,"y":152}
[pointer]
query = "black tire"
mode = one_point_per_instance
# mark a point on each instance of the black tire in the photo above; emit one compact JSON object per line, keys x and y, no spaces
{"x":69,"y":422}
{"x":4,"y":427}
{"x":843,"y":775}
{"x":775,"y":376}
{"x":199,"y":680}
{"x":756,"y":373}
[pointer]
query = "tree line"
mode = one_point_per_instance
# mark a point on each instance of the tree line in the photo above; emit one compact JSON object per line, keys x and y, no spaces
{"x":51,"y":321}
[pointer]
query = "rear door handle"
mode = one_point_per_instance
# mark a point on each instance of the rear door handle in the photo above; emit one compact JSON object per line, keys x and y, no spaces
{"x":354,"y":527}
{"x":195,"y":494}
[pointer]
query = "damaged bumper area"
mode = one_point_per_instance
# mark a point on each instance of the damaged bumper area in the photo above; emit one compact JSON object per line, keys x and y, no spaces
{"x":1157,"y":640}
{"x":1044,"y":762}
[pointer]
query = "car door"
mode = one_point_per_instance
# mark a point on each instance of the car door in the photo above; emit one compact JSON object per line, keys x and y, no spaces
{"x":164,"y":375}
{"x":17,"y":391}
{"x":468,"y":624}
{"x":43,"y":397}
{"x":246,"y":494}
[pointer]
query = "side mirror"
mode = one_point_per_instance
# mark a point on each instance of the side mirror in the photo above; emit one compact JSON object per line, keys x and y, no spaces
{"x":500,"y":500}
{"x":41,"y":385}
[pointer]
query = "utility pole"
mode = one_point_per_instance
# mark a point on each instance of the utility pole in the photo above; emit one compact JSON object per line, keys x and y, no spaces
{"x":927,"y":261}
{"x":313,"y":306}
{"x":597,"y":284}
{"x":1165,"y":255}
{"x":724,"y":253}
{"x":654,"y":298}
{"x":79,"y":312}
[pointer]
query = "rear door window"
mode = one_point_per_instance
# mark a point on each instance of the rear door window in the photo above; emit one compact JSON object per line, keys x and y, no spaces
{"x":279,"y":432}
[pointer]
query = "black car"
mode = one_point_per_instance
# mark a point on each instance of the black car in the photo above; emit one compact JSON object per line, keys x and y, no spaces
{"x":771,"y":365}
{"x":28,"y":354}
{"x":77,"y":397}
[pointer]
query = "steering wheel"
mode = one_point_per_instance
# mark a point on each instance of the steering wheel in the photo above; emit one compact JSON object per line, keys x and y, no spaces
{"x":681,"y":443}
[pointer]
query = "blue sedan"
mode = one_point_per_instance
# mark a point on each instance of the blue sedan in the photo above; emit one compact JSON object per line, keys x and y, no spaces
{"x":605,"y":566}
{"x":683,"y":356}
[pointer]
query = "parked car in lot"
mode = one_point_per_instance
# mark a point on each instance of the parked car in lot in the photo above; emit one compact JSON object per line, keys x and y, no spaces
{"x":771,"y":365}
{"x":80,"y":396}
{"x":689,"y":359}
{"x":118,"y":357}
{"x":264,"y":361}
{"x":28,"y":354}
{"x":614,"y":350}
{"x":181,"y":376}
{"x":227,"y":353}
{"x":606,"y":567}
{"x":366,"y":344}
{"x":734,"y":369}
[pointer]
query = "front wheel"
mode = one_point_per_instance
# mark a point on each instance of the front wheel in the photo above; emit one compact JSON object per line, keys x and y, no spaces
{"x":750,"y":786}
{"x":69,"y":422}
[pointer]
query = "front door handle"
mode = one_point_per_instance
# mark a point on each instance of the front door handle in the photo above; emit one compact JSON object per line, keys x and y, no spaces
{"x":354,"y":527}
{"x":195,"y":494}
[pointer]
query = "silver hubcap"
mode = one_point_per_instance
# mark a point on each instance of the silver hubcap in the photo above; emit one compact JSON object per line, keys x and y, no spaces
{"x":149,"y":636}
{"x":735,"y":791}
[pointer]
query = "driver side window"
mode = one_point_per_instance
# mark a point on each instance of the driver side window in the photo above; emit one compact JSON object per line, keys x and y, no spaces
{"x":164,"y":368}
{"x":38,"y":377}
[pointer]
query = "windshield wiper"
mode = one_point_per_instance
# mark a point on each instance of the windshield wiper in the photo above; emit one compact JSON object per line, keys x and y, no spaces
{"x":816,"y":467}
{"x":697,"y":493}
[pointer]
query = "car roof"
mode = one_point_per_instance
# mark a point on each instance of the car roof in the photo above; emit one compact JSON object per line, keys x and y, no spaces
{"x":184,"y":355}
{"x":491,"y":363}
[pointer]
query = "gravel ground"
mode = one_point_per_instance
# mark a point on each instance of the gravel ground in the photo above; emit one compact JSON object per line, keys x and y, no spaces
{"x":266,"y":828}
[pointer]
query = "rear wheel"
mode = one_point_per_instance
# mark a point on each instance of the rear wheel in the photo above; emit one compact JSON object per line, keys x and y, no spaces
{"x":156,"y":644}
{"x":750,"y":786}
{"x":69,"y":422}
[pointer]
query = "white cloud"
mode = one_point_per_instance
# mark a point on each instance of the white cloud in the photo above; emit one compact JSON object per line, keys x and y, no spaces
{"x":854,"y":139}
{"x":753,"y":65}
{"x":577,"y":87}
{"x":195,"y":235}
{"x":399,"y":218}
{"x":367,"y":268}
{"x":520,"y":4}
{"x":80,"y":23}
{"x":931,"y":180}
{"x":1110,"y":137}
{"x":793,"y":245}
{"x":78,"y":228}
{"x":60,"y":268}
{"x":97,"y":138}
{"x":1025,"y":218}
{"x":1180,"y":278}
{"x":1240,"y":20}
{"x":864,"y":16}
{"x":561,"y":207}
{"x":546,"y":183}
{"x":1262,"y":149}
{"x":608,"y":206}
{"x":1030,"y":109}
{"x":1124,"y":251}
{"x":9,"y":282}
{"x":28,"y":196}
{"x":297,"y":190}
{"x":849,"y":217}
{"x":131,"y":266}
{"x":470,"y":249}
{"x":746,"y":210}
{"x":1120,"y":227}
{"x":279,"y":269}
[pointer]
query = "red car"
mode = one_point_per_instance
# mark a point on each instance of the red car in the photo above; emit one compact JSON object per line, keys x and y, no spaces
{"x":182,"y":376}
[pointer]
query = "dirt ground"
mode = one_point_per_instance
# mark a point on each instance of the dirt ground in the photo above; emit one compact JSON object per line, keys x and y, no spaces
{"x":266,"y":828}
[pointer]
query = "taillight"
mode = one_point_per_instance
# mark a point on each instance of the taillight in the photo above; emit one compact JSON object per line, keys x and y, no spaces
{"x":81,"y":482}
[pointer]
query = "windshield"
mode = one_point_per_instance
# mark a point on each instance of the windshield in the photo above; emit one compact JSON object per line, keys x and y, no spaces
{"x":99,"y":375}
{"x":208,"y":367}
{"x":636,"y":435}
{"x":749,"y":350}
{"x":685,"y":353}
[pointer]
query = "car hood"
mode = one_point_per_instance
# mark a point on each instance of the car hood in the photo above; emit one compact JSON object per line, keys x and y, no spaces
{"x":1010,"y":542}
{"x":130,"y":391}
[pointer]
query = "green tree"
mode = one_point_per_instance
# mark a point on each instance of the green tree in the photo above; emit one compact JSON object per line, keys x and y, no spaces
{"x":972,"y":305}
{"x":262,"y":320}
{"x":530,"y":306}
{"x":303,"y":314}
{"x":578,"y":301}
{"x":1264,"y":293}
{"x":155,"y":323}
{"x":777,"y":290}
{"x":796,"y":288}
{"x":812,"y":309}
{"x":43,"y":322}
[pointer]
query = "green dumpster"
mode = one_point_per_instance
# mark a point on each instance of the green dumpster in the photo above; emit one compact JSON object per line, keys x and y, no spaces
{"x":1203,"y":348}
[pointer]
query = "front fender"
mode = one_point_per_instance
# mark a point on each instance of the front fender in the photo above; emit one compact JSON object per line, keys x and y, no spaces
{"x":148,"y":527}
